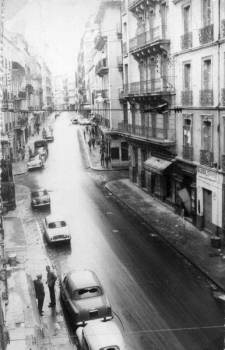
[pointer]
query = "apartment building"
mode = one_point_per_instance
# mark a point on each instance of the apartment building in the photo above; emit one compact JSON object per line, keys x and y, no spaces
{"x":148,"y":95}
{"x":47,"y":87}
{"x":199,"y":58}
{"x":22,"y":92}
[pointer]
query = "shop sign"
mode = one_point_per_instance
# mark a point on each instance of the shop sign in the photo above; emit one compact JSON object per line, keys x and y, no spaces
{"x":207,"y":174}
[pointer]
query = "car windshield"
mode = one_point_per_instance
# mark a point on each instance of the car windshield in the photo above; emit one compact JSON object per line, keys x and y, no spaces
{"x":88,"y":292}
{"x":57,"y":224}
{"x":39,"y":193}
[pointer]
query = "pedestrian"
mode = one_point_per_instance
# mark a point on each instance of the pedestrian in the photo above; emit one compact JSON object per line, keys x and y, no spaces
{"x":51,"y":279}
{"x":102,"y":159}
{"x":89,"y":144}
{"x":93,"y":142}
{"x":40,"y":293}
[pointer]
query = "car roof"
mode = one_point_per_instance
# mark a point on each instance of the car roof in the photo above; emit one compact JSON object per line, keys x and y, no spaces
{"x":104,"y":334}
{"x":83,"y":278}
{"x":53,"y":218}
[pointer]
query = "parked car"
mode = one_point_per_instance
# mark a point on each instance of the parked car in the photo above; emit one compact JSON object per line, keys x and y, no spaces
{"x":35,"y":162}
{"x":85,"y":121}
{"x":40,"y":198}
{"x":74,"y":120}
{"x":100,"y":335}
{"x":56,"y":230}
{"x":84,"y":297}
{"x":41,"y":147}
{"x":49,"y":137}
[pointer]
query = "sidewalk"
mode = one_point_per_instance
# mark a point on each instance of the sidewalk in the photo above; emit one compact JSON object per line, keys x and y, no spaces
{"x":20,"y":167}
{"x":27,"y":329}
{"x":94,"y":155}
{"x":192,"y":243}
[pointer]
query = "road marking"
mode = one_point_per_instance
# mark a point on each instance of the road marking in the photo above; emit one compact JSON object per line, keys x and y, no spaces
{"x":160,"y":330}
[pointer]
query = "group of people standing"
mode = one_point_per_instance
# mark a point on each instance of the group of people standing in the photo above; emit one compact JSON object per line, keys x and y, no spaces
{"x":90,"y":132}
{"x":40,"y":290}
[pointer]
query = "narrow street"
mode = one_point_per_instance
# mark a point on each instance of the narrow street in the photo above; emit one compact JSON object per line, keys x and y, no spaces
{"x":160,"y":301}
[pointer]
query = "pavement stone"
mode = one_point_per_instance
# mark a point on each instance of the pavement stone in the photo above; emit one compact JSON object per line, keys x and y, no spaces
{"x":27,"y":329}
{"x":193,"y":244}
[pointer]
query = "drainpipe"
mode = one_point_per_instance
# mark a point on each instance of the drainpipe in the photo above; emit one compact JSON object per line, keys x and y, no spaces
{"x":219,"y":92}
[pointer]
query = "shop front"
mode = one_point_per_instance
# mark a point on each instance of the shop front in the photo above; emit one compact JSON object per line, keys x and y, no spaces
{"x":158,"y":177}
{"x":209,"y":200}
{"x":185,"y":189}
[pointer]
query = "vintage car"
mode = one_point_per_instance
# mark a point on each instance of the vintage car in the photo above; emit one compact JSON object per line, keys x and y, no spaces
{"x":35,"y":162}
{"x":56,"y":230}
{"x":84,"y":297}
{"x":100,"y":335}
{"x":40,"y":198}
{"x":41,"y":148}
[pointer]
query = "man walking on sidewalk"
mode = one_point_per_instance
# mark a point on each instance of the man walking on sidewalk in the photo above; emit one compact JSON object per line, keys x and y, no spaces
{"x":51,"y":279}
{"x":40,"y":293}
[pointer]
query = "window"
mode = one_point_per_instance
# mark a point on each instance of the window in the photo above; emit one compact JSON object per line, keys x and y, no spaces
{"x":115,"y":153}
{"x":207,"y":135}
{"x":187,"y":131}
{"x":187,"y":77}
{"x":187,"y":18}
{"x":57,"y":224}
{"x":207,"y":74}
{"x":124,"y":150}
{"x":89,"y":292}
{"x":206,"y":12}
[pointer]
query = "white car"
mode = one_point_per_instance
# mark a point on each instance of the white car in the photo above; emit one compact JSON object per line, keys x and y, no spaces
{"x":35,"y":162}
{"x":56,"y":230}
{"x":100,"y":335}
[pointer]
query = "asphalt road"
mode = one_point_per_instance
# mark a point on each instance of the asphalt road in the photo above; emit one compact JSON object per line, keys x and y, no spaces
{"x":160,"y":300}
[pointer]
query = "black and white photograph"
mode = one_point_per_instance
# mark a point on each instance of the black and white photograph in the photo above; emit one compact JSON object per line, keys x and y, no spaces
{"x":112,"y":174}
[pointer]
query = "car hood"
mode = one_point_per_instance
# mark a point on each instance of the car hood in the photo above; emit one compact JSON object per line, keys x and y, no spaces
{"x":57,"y":231}
{"x":34,"y":161}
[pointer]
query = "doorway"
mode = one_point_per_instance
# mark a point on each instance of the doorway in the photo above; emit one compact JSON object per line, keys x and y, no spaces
{"x":207,"y":210}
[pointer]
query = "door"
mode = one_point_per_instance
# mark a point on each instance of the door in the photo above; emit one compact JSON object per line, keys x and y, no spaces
{"x":207,"y":209}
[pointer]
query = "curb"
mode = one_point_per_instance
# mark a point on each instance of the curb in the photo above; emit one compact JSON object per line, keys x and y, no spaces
{"x":89,"y":158}
{"x":205,"y":273}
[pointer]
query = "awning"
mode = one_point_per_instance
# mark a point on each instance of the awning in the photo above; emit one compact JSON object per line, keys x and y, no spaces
{"x":156,"y":165}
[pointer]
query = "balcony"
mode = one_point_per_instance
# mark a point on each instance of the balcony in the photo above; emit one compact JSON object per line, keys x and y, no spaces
{"x":206,"y":97}
{"x":223,"y":28}
{"x":151,"y":87}
{"x":206,"y":158}
{"x":99,"y":42}
{"x":102,"y":67}
{"x":155,"y":135}
{"x":124,"y":49}
{"x":186,"y":41}
{"x":133,"y":4}
{"x":223,"y":97}
{"x":150,"y":38}
{"x":187,"y":97}
{"x":188,"y":152}
{"x":206,"y":34}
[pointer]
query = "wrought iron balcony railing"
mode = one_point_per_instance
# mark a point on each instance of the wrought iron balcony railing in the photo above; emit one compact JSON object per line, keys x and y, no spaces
{"x":159,"y":85}
{"x":206,"y":158}
{"x":186,"y":41}
{"x":223,"y":97}
{"x":102,"y":67}
{"x":223,"y":28}
{"x":148,"y":37}
{"x":147,"y":132}
{"x":188,"y":152}
{"x":206,"y":97}
{"x":206,"y":34}
{"x":187,"y":97}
